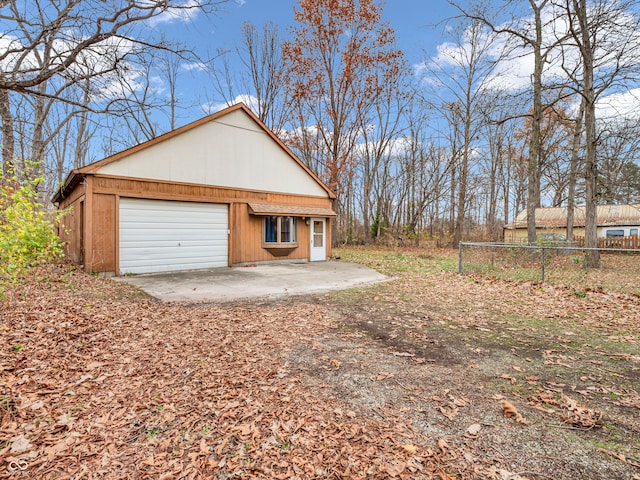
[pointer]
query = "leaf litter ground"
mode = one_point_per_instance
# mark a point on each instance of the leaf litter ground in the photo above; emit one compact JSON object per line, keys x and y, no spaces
{"x":428,"y":376}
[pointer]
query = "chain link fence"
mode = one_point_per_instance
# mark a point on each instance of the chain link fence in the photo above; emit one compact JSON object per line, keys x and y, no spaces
{"x":558,"y":264}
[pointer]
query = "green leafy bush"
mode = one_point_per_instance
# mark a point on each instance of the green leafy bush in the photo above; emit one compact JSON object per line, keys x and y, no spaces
{"x":27,"y":231}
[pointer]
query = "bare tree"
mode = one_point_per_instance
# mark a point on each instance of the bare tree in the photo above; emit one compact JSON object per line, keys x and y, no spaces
{"x":499,"y":131}
{"x":261,"y":75}
{"x":573,"y":169}
{"x":462,"y":75}
{"x":381,"y":137}
{"x":170,"y":67}
{"x":424,"y":177}
{"x":7,"y":133}
{"x":65,"y":32}
{"x":619,"y":147}
{"x":50,"y":47}
{"x":605,"y":35}
{"x":528,"y":34}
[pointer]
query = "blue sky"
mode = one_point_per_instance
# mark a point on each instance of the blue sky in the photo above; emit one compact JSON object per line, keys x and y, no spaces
{"x":419,"y":27}
{"x":412,"y":20}
{"x":417,"y":23}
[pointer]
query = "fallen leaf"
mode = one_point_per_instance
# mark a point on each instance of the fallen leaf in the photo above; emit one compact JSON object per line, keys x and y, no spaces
{"x":443,"y":445}
{"x":474,"y":429}
{"x":508,"y":377}
{"x":394,"y":469}
{"x":94,"y":365}
{"x":508,"y":410}
{"x":449,"y":412}
{"x":204,"y":448}
{"x":409,"y":448}
{"x":56,"y":448}
{"x":64,"y":419}
{"x":20,"y":444}
{"x":579,"y":415}
{"x":507,"y":475}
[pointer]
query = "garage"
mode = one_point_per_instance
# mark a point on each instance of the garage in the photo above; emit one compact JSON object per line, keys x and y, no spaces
{"x":223,"y":190}
{"x":162,"y":235}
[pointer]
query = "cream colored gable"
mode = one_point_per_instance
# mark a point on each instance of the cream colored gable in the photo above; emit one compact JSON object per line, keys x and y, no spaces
{"x":231,"y":151}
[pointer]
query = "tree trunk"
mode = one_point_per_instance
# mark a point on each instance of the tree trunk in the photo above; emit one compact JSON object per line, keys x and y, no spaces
{"x":573,"y":168}
{"x":592,"y":258}
{"x":452,"y":200}
{"x":37,"y":143}
{"x":533,"y":198}
{"x":462,"y":189}
{"x":7,"y":133}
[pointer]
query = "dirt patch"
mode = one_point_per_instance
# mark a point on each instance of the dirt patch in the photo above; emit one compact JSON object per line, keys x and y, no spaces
{"x":446,"y":354}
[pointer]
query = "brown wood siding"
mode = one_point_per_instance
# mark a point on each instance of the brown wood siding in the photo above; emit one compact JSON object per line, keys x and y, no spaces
{"x":103,"y":246}
{"x":246,"y":239}
{"x":70,"y":230}
{"x":72,"y":225}
{"x":245,"y":242}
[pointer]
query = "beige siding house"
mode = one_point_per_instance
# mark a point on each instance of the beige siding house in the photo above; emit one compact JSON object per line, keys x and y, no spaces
{"x":613,"y":221}
{"x":221,"y":191}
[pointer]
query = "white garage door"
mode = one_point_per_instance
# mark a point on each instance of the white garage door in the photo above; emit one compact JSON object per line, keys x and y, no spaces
{"x":162,"y":236}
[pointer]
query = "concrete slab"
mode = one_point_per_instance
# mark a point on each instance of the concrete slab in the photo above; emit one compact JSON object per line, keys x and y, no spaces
{"x":256,"y":281}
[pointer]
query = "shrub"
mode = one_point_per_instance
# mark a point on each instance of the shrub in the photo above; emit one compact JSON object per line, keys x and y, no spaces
{"x":27,"y":231}
{"x":378,"y":222}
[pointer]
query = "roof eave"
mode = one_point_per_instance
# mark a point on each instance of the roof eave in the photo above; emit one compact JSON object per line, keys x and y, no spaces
{"x":70,"y":182}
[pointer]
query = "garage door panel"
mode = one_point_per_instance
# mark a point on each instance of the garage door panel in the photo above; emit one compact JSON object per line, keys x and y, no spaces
{"x":184,"y":245}
{"x":160,"y":236}
{"x":170,"y":237}
{"x":168,"y":253}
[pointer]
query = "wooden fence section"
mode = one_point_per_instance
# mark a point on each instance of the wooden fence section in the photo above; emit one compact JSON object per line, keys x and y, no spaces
{"x":628,"y":243}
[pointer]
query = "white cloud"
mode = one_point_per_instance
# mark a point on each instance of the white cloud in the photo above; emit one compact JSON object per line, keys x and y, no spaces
{"x":112,"y":76}
{"x":619,"y":105}
{"x":294,"y":136}
{"x":10,"y":62}
{"x":194,"y":66}
{"x":249,"y":100}
{"x":395,"y":147}
{"x":514,"y":71}
{"x":182,"y":13}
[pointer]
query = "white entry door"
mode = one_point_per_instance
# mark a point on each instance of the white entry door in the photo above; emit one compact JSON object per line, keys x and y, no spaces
{"x":318,"y":240}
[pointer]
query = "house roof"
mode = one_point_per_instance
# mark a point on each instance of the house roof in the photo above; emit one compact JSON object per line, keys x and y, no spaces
{"x":608,"y":215}
{"x":76,"y":175}
{"x":290,"y":210}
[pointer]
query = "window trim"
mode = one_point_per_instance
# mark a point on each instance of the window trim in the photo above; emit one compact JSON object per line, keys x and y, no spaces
{"x":279,"y":244}
{"x":614,"y":233}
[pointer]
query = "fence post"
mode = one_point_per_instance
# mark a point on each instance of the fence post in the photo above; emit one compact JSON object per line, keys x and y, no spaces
{"x":543,"y":250}
{"x":460,"y":258}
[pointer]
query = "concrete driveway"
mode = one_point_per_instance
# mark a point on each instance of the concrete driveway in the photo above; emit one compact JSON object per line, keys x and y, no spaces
{"x":259,"y":281}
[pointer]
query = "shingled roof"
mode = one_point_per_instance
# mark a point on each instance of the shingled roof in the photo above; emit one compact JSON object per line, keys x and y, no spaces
{"x":608,"y":216}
